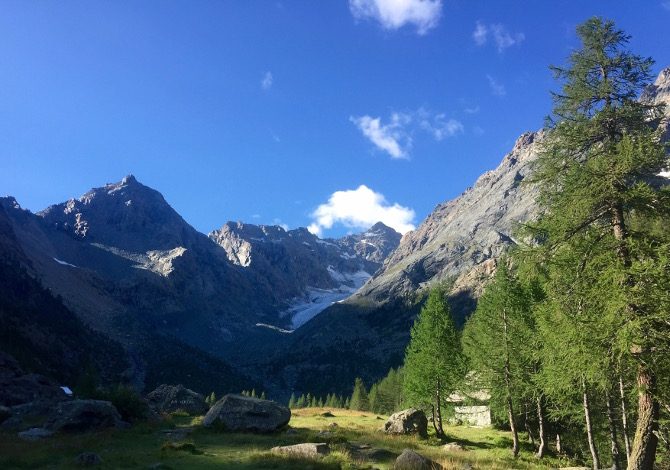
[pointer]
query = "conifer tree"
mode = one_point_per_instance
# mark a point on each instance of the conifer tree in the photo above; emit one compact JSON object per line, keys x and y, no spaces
{"x":359,"y":397}
{"x":495,"y":339}
{"x":291,"y":401}
{"x":434,"y":363}
{"x":599,"y":156}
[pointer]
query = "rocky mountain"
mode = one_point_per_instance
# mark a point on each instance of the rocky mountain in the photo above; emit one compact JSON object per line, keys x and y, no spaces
{"x":460,"y":241}
{"x":374,"y":245}
{"x":306,"y":271}
{"x":129,"y":267}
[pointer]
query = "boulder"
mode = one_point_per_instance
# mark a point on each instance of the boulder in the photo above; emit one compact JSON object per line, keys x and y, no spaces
{"x":84,"y":415}
{"x":172,"y":398}
{"x":87,"y":459}
{"x":410,"y":460}
{"x":35,"y":434}
{"x":28,"y":415}
{"x":240,"y":413}
{"x":411,"y":421}
{"x":307,"y":450}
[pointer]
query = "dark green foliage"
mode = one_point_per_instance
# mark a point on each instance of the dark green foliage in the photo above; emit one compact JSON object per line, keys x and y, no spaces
{"x":386,"y":396}
{"x":434,"y":363}
{"x":129,"y":403}
{"x":359,"y":398}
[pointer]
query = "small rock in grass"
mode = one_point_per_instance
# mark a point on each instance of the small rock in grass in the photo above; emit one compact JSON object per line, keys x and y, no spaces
{"x":453,"y":447}
{"x":35,"y":434}
{"x":327,"y":414}
{"x":410,"y":460}
{"x":88,"y":459}
{"x":307,"y":450}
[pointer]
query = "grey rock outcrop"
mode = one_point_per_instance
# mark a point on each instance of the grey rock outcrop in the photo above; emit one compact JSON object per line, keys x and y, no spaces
{"x":410,"y":460}
{"x":17,"y":387}
{"x":246,"y":414}
{"x":410,"y":421}
{"x":83,"y":416}
{"x":307,"y":450}
{"x":172,"y":398}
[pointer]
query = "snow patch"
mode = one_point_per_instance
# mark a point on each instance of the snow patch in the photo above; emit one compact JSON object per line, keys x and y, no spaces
{"x":64,"y":263}
{"x":66,"y":390}
{"x":275,"y":328}
{"x":664,"y":174}
{"x":317,"y":300}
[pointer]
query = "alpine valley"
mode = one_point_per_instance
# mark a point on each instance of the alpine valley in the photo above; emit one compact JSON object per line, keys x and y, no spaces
{"x":119,"y":281}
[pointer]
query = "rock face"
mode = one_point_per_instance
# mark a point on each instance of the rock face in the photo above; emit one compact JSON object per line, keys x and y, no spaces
{"x":411,"y":421}
{"x":410,"y":460}
{"x":17,"y":387}
{"x":84,"y":415}
{"x":302,"y":269}
{"x":246,"y":414}
{"x":172,"y":398}
{"x":307,"y":450}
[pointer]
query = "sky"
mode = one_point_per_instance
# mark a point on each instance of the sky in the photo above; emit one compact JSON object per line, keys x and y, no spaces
{"x":330,"y":114}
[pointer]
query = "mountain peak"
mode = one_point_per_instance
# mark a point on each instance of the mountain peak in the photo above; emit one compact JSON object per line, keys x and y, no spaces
{"x":128,"y":179}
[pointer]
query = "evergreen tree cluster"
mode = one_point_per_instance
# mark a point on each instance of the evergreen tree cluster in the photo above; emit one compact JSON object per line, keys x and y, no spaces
{"x":310,"y":401}
{"x":572,"y":336}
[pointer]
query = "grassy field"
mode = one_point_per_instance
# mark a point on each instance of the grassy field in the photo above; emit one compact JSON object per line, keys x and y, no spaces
{"x":179,"y":444}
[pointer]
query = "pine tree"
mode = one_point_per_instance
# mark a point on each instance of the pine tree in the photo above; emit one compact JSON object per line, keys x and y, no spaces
{"x":291,"y":401}
{"x":300,"y":403}
{"x":494,"y":340}
{"x":262,"y":397}
{"x":434,"y":363}
{"x":359,"y":397}
{"x":599,"y":156}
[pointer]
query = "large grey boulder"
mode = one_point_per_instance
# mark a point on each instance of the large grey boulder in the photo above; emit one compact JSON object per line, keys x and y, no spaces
{"x":410,"y":421}
{"x":240,"y":413}
{"x":84,"y":415}
{"x":410,"y":460}
{"x":171,"y":398}
{"x":307,"y":450}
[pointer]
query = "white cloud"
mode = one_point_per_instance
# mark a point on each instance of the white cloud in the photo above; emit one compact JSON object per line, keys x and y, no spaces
{"x":666,"y":5}
{"x":266,"y":82}
{"x":480,"y":33}
{"x":501,"y":37}
{"x":394,"y":14}
{"x":396,"y":136}
{"x":438,"y":125}
{"x":391,"y":138}
{"x":360,"y":208}
{"x":498,"y":89}
{"x":504,"y":39}
{"x":472,"y":110}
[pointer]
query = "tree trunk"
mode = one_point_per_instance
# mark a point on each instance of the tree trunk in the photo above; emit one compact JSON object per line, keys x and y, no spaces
{"x":437,"y":432}
{"x":541,"y":430}
{"x":438,"y":417}
{"x":611,"y":422}
{"x":643,"y":453}
{"x":526,"y":424}
{"x":559,"y":448}
{"x":508,"y":385}
{"x":589,"y":430}
{"x":624,"y":419}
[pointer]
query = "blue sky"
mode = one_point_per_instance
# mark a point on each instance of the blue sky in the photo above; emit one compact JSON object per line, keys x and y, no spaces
{"x":321,"y":113}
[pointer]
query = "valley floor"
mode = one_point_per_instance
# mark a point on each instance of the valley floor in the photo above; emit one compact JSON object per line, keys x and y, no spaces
{"x":180,"y":443}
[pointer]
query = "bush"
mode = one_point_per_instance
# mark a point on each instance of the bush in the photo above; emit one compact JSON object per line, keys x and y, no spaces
{"x":130,"y":405}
